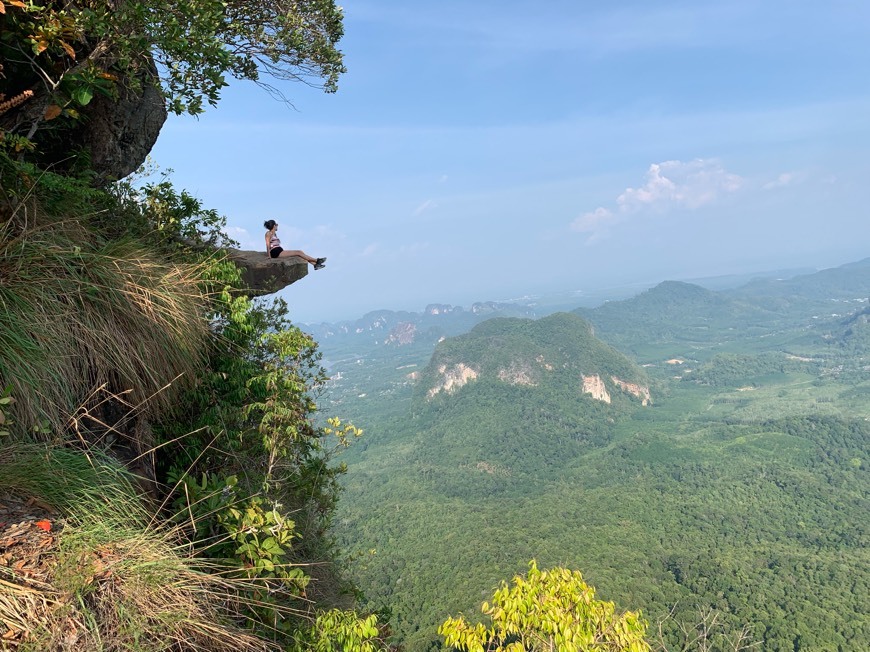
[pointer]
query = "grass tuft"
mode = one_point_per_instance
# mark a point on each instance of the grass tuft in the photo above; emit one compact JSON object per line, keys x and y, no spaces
{"x":114,"y":581}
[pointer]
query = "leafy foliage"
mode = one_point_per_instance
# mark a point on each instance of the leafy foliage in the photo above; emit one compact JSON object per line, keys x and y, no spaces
{"x":67,"y":52}
{"x":342,"y":631}
{"x":247,"y":432}
{"x":546,"y":610}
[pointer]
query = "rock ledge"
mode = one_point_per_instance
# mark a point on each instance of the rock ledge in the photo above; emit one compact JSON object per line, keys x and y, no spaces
{"x":263,"y":275}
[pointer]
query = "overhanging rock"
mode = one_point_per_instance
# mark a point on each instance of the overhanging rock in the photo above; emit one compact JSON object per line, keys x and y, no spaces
{"x":262,"y":275}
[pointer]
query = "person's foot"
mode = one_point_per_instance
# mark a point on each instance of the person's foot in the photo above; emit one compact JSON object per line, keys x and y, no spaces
{"x":320,"y":263}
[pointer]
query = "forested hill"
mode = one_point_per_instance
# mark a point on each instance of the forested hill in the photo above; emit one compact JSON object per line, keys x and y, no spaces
{"x":843,"y":282}
{"x":517,"y":398}
{"x":673,"y":309}
{"x":674,"y":312}
{"x":552,"y":352}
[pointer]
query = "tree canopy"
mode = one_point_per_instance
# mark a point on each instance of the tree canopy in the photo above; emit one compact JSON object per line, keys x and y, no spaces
{"x":57,"y":54}
{"x":548,"y":610}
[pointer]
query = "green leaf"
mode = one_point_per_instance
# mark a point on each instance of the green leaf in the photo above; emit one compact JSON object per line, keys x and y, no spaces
{"x":83,"y":95}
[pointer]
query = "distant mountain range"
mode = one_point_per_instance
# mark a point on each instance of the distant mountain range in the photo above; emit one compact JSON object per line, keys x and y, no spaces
{"x":674,"y":311}
{"x":688,"y":308}
{"x":844,"y":282}
{"x":671,"y":309}
{"x":390,"y":327}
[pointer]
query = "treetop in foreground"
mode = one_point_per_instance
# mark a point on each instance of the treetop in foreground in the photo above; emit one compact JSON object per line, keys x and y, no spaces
{"x":548,"y":610}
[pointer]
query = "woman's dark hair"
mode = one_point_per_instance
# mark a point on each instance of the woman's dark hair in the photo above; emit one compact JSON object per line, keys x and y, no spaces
{"x":269,"y":224}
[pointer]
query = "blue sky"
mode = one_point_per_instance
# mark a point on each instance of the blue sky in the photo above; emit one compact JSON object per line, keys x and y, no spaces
{"x":485,"y":150}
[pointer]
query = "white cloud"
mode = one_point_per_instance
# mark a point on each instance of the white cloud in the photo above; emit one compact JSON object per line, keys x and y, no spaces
{"x":592,"y":221}
{"x":674,"y":184}
{"x":429,"y":204}
{"x":370,"y":250}
{"x":669,"y":185}
{"x":781,"y":181}
{"x":787,"y":179}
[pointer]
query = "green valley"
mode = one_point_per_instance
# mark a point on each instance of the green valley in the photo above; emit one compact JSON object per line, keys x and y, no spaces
{"x":738,"y":484}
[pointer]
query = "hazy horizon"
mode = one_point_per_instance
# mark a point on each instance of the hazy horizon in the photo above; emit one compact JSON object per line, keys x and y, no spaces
{"x":587,"y":297}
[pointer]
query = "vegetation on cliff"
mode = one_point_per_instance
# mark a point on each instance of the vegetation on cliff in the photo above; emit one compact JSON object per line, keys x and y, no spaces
{"x":61,"y":54}
{"x":161,"y":422}
{"x":125,"y":342}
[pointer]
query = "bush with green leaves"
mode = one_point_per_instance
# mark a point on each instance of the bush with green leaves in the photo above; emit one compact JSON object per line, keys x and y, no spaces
{"x":338,"y":630}
{"x":548,"y":610}
{"x":248,"y":432}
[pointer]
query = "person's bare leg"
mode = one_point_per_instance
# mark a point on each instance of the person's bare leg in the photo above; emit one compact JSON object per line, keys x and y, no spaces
{"x":299,"y":254}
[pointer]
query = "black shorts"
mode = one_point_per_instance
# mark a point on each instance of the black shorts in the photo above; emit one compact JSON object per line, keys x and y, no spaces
{"x":274,"y":252}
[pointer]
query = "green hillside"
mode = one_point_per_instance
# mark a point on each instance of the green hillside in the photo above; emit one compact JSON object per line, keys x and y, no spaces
{"x":741,"y":488}
{"x":845,"y":282}
{"x":522,"y":396}
{"x":550,"y":352}
{"x":679,"y":312}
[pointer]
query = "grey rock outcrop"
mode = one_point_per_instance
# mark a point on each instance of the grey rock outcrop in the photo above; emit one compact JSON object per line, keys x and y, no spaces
{"x":262,"y":275}
{"x":121,"y":132}
{"x":114,"y":134}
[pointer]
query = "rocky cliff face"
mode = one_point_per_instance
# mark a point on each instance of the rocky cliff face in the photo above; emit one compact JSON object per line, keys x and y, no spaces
{"x":594,"y":386}
{"x":402,"y":334}
{"x":452,"y":378}
{"x":518,"y":373}
{"x":638,"y":391}
{"x":114,"y":133}
{"x":119,"y":133}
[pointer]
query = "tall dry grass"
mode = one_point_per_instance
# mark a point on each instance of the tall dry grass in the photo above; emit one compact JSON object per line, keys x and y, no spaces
{"x":77,"y":313}
{"x":115,"y":581}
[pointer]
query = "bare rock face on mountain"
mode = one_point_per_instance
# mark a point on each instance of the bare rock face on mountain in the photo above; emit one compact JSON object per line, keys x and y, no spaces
{"x":636,"y":390}
{"x":593,"y":385}
{"x":115,"y":133}
{"x":122,"y":132}
{"x":402,"y":334}
{"x":262,"y":275}
{"x":451,"y":379}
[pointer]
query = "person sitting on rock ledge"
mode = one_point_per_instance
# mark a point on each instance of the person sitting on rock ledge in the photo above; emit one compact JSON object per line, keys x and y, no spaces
{"x":275,"y":250}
